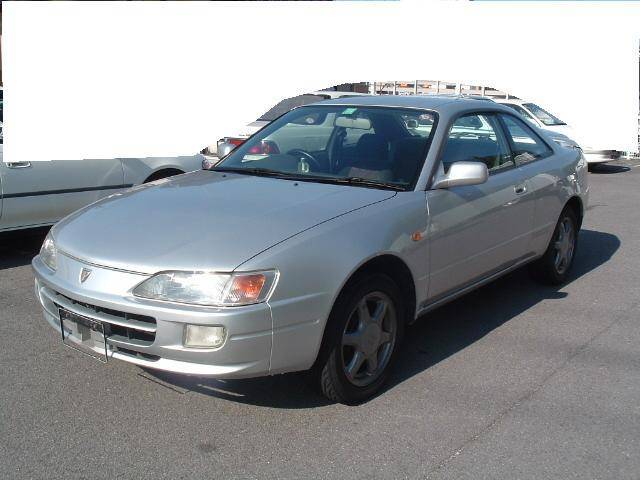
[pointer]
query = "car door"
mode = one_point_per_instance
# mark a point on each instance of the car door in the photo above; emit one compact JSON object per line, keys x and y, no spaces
{"x":543,"y":171}
{"x":41,"y":193}
{"x":477,"y":230}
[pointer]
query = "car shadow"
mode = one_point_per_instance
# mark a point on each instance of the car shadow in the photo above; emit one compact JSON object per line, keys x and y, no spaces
{"x":18,"y":248}
{"x":607,"y":169}
{"x":454,"y":326}
{"x":434,"y":337}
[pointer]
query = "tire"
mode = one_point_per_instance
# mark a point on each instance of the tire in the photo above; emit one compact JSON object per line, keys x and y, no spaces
{"x":549,"y":269}
{"x":361,"y":339}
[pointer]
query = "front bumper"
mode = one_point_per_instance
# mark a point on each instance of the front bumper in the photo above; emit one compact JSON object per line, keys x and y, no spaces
{"x":150,"y":333}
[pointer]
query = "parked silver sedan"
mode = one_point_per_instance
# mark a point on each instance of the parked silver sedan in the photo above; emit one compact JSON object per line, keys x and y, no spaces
{"x":312,"y":245}
{"x":36,"y":194}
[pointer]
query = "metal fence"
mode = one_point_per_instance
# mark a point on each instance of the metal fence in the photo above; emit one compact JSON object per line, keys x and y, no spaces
{"x":430,"y":87}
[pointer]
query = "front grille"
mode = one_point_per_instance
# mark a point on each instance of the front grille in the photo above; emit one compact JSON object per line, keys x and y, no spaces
{"x":133,"y":353}
{"x":120,"y":327}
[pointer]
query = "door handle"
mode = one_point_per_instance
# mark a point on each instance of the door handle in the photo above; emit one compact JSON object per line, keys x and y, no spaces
{"x":520,"y":189}
{"x":18,"y":164}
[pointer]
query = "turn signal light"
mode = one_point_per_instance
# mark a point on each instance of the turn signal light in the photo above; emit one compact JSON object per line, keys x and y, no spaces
{"x":246,"y":288}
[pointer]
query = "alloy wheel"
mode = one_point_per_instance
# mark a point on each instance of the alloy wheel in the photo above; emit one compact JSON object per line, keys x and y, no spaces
{"x":564,"y":245}
{"x":369,"y":338}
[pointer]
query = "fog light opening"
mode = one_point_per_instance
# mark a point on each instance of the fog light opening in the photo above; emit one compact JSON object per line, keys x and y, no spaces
{"x":203,"y":336}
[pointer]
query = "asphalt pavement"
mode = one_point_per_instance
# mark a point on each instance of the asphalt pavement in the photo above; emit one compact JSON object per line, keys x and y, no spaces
{"x":513,"y":381}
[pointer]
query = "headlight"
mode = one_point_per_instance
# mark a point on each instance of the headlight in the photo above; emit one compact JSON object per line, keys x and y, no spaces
{"x":214,"y":289}
{"x":48,"y":252}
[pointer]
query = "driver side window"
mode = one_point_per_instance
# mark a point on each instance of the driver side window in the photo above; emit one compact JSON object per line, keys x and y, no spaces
{"x":477,"y":138}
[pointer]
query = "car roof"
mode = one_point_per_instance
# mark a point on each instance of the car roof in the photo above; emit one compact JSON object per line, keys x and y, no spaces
{"x":427,"y":102}
{"x":513,"y":101}
{"x":336,"y":93}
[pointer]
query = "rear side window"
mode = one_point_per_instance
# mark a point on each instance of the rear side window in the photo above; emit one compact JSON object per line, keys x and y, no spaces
{"x":477,"y":138}
{"x":527,"y":146}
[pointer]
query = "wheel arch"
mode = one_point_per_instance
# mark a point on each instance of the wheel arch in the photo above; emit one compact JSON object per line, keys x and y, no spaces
{"x":575,"y":203}
{"x":385,"y":263}
{"x":397,"y":269}
{"x":163,"y":173}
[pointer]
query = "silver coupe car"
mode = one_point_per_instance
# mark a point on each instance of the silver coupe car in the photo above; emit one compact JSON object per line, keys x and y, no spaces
{"x":313,"y":244}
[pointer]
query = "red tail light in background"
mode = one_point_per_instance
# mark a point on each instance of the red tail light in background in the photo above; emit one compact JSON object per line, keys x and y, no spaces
{"x":265,"y":147}
{"x":231,"y":141}
{"x":234,"y":141}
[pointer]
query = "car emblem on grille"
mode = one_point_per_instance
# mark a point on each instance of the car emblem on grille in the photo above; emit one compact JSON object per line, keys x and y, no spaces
{"x":84,"y":274}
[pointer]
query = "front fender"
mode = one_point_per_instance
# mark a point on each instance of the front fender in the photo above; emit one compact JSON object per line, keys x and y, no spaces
{"x":315,"y":265}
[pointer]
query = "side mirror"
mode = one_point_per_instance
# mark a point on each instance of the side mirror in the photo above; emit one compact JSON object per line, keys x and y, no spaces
{"x":462,"y":173}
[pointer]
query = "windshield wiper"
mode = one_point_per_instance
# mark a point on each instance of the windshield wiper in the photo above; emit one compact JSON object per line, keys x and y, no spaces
{"x":263,"y":172}
{"x":371,"y":183}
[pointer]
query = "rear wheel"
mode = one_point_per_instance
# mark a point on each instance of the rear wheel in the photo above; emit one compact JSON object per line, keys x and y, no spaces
{"x":362,"y":337}
{"x":554,"y":266}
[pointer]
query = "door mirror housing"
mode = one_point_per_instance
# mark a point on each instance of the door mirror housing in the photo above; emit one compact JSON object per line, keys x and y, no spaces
{"x":461,"y":174}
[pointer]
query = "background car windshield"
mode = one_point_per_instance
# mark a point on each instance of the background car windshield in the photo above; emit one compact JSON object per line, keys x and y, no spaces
{"x":379,"y":144}
{"x":521,"y":111}
{"x":544,"y":116}
{"x":289,"y":104}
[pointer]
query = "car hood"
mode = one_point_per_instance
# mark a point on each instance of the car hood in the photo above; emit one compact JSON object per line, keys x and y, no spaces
{"x":202,"y":220}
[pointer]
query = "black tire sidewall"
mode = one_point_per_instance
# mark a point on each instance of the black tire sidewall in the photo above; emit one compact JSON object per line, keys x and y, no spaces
{"x":330,"y":358}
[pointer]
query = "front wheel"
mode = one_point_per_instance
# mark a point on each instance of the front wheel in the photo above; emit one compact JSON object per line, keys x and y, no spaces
{"x":553,"y":267}
{"x":362,"y":338}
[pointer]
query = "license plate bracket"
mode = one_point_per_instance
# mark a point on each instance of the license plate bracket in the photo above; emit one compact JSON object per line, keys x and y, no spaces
{"x":83,"y":334}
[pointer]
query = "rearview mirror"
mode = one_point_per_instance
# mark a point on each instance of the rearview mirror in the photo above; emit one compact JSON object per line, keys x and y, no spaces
{"x":350,"y":122}
{"x":462,"y":173}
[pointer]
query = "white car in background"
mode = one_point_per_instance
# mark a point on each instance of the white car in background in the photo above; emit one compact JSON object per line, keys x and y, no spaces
{"x":38,"y":194}
{"x":552,"y":124}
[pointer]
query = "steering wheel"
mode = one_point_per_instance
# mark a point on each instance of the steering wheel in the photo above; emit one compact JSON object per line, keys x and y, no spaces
{"x":303,"y":155}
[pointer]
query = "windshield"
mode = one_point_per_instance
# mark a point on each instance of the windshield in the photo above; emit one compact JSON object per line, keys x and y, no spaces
{"x":372,"y":146}
{"x":542,"y":115}
{"x":289,"y":104}
{"x":521,"y":111}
